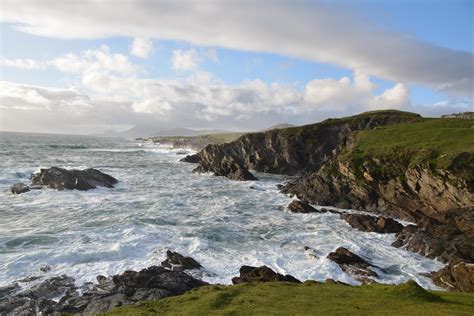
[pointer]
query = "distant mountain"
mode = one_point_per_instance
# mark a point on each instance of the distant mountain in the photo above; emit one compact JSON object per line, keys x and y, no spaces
{"x":278,"y":126}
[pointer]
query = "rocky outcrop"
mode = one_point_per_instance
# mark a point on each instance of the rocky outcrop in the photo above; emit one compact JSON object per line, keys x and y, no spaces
{"x":301,"y":207}
{"x":412,"y":195}
{"x":261,"y":274}
{"x":177,"y":262}
{"x":14,"y":301}
{"x":222,"y":166}
{"x":353,"y":265}
{"x":293,"y":150}
{"x":61,"y":179}
{"x":443,"y":241}
{"x":457,"y":277}
{"x":127,"y":288}
{"x":19,"y":188}
{"x":376,"y":224}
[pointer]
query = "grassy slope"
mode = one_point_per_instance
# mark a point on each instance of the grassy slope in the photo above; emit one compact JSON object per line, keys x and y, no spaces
{"x":434,"y":143}
{"x":310,"y":298}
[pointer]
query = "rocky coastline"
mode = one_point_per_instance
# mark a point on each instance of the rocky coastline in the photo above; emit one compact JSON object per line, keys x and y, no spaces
{"x":431,"y":187}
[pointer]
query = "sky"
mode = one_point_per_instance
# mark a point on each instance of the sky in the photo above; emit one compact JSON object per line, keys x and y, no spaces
{"x":82,"y":67}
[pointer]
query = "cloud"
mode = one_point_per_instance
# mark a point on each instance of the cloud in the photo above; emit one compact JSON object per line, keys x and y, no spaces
{"x":25,"y":64}
{"x":141,"y":47}
{"x":185,"y":60}
{"x":343,"y":94}
{"x":314,"y":31}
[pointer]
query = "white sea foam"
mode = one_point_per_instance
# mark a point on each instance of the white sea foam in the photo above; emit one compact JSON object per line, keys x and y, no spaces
{"x":160,"y":204}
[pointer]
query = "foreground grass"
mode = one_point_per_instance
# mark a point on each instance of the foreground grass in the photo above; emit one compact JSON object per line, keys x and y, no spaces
{"x":310,"y":298}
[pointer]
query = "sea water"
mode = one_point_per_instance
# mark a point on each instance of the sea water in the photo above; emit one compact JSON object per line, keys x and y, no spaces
{"x":160,"y":204}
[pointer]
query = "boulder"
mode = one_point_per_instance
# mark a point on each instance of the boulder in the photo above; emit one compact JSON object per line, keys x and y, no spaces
{"x":261,"y":274}
{"x":174,"y":259}
{"x":368,"y":223}
{"x":191,"y":158}
{"x":301,"y":207}
{"x":60,"y":178}
{"x":352,"y":264}
{"x":19,"y":188}
{"x":457,"y":277}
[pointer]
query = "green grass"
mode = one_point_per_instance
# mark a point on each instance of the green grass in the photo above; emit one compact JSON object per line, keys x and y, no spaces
{"x":434,"y":143}
{"x":310,"y":298}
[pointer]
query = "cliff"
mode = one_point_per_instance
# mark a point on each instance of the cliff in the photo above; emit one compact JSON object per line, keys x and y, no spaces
{"x":393,"y":163}
{"x":291,"y":151}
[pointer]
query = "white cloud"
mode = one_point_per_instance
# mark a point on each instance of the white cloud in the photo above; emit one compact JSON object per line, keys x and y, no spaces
{"x":320,"y":32}
{"x":185,"y":60}
{"x":26,"y":64}
{"x":141,"y":47}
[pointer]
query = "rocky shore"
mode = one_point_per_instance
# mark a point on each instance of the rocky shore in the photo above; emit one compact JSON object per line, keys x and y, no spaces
{"x":390,"y":163}
{"x":64,"y":179}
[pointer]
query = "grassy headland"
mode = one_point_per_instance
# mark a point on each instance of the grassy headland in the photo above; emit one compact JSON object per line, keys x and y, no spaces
{"x":309,"y":298}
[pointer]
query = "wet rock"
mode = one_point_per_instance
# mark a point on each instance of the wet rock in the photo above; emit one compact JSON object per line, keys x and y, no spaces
{"x":457,"y":277}
{"x":261,"y":274}
{"x":60,"y":178}
{"x":45,"y":268}
{"x":19,"y":188}
{"x":37,"y":298}
{"x":368,"y":223}
{"x":191,"y":158}
{"x":433,"y":239}
{"x":127,"y":288}
{"x":174,"y":259}
{"x":353,"y":264}
{"x":301,"y":207}
{"x":8,"y":290}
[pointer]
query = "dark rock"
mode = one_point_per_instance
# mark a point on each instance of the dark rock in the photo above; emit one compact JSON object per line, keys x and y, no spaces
{"x":352,"y":264}
{"x":191,"y":158}
{"x":19,"y":188}
{"x":59,"y":178}
{"x":457,"y":277}
{"x":45,"y":268}
{"x":433,"y":239}
{"x":127,"y":288}
{"x":38,"y":298}
{"x":176,"y":259}
{"x":368,"y":223}
{"x":8,"y":290}
{"x":301,"y":207}
{"x":229,"y":169}
{"x":261,"y":274}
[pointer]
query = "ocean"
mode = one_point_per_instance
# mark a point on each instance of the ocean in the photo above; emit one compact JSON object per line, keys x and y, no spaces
{"x":160,"y":204}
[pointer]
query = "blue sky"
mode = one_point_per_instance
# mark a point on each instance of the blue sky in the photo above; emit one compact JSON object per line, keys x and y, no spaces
{"x":237,"y":67}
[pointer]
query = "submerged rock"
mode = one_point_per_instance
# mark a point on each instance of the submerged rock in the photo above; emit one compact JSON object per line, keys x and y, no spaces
{"x":261,"y":274}
{"x":19,"y":188}
{"x":353,"y":264}
{"x":176,"y":261}
{"x":368,"y":223}
{"x":60,"y":178}
{"x":457,"y":277}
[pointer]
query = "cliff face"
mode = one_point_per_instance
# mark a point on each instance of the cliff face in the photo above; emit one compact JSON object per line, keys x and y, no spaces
{"x":414,"y":193}
{"x":291,"y":151}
